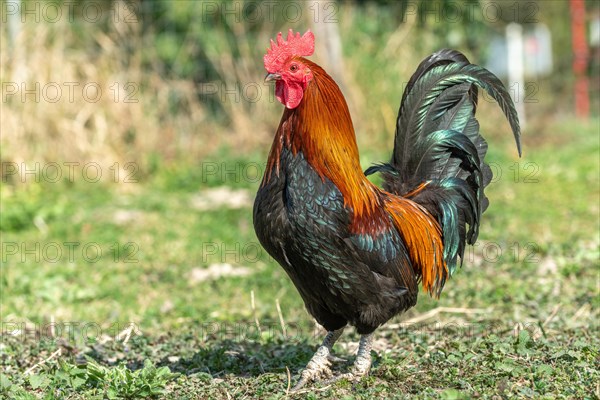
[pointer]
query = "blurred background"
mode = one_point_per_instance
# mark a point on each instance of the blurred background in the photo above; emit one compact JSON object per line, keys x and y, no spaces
{"x":155,"y":82}
{"x":135,"y":134}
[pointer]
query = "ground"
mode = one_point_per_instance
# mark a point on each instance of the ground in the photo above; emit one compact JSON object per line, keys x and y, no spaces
{"x":159,"y":288}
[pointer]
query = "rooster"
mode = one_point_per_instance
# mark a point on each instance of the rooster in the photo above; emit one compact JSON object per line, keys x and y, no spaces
{"x":355,"y":252}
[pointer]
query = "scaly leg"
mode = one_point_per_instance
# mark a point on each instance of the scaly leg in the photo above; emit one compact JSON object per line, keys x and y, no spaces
{"x":362,"y":364}
{"x":318,"y":366}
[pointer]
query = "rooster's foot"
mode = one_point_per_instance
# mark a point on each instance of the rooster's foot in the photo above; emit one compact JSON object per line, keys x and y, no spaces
{"x":319,"y":365}
{"x":361,"y":366}
{"x":316,"y":369}
{"x":359,"y":370}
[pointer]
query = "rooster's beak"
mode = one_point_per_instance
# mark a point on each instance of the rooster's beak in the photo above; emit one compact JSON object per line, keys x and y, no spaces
{"x":272,"y":77}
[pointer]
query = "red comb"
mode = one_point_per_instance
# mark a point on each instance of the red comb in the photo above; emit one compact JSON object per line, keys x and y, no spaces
{"x":295,"y":45}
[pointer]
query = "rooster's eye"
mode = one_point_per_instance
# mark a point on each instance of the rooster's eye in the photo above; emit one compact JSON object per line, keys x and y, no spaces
{"x":293,"y":67}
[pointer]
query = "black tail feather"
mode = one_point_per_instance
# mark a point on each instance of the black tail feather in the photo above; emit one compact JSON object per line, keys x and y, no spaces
{"x":438,"y":141}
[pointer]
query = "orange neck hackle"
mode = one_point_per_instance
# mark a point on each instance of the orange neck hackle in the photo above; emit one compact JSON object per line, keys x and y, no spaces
{"x":321,"y":128}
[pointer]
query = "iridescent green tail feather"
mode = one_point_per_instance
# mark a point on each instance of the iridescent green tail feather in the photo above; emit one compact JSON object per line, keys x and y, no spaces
{"x":438,"y":141}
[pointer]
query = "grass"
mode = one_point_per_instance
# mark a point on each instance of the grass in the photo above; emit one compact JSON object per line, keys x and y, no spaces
{"x":139,"y":290}
{"x":150,"y":283}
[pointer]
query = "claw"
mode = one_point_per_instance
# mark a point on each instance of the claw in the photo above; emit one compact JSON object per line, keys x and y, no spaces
{"x":359,"y":370}
{"x":299,"y":385}
{"x":317,"y":368}
{"x":335,"y":359}
{"x":361,"y":366}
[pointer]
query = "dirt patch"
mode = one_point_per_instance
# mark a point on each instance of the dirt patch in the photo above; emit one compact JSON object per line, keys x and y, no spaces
{"x":214,"y":271}
{"x":222,"y":196}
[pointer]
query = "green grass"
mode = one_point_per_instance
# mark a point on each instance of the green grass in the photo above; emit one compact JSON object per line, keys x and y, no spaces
{"x":529,"y":290}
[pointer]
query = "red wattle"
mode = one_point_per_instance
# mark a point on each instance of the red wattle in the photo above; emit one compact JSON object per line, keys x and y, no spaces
{"x":289,"y":94}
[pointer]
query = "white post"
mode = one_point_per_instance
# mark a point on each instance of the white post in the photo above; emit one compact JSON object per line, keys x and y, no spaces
{"x":16,"y":41}
{"x":516,"y":69}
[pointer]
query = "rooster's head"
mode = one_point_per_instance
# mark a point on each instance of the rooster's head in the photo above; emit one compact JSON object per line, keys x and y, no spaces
{"x":284,"y":64}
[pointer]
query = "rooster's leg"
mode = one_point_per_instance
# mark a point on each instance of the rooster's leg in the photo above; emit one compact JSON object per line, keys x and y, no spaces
{"x":318,"y":366}
{"x":362,"y":364}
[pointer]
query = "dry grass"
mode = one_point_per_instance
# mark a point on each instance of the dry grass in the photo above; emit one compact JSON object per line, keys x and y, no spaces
{"x":52,"y":111}
{"x":144,"y":111}
{"x":161,"y":114}
{"x":77,"y":127}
